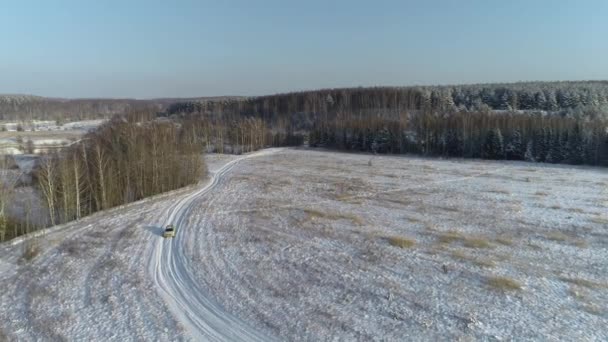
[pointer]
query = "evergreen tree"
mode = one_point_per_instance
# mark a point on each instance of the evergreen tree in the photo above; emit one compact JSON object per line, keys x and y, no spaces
{"x":529,"y":154}
{"x":556,"y":154}
{"x":604,"y":153}
{"x":594,"y":146}
{"x":563,"y":146}
{"x":381,"y":141}
{"x":540,"y":144}
{"x":369,"y":139}
{"x":453,"y":143}
{"x":576,"y":149}
{"x":357,"y":141}
{"x":514,"y":148}
{"x":493,"y":147}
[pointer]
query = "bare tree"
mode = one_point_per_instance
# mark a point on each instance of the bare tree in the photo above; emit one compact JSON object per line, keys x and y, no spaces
{"x":47,"y":181}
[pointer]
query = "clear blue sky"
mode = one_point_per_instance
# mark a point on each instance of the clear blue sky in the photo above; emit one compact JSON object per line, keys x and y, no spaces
{"x":143,"y":49}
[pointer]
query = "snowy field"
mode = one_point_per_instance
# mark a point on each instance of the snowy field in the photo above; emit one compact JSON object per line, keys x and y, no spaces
{"x":317,"y":245}
{"x":45,"y":136}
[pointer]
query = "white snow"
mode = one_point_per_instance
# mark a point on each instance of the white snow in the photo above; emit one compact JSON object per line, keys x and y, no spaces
{"x":45,"y":136}
{"x":292,"y":245}
{"x":82,"y":125}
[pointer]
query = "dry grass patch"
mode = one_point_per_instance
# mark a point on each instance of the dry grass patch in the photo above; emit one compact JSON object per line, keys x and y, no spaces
{"x":600,"y":220}
{"x":557,"y":236}
{"x":581,"y":243}
{"x":477,"y":243}
{"x":351,"y":199}
{"x":582,"y":282}
{"x":450,"y":209}
{"x":461,"y":255}
{"x":449,"y":237}
{"x":31,"y":250}
{"x":470,"y":242}
{"x":401,"y":242}
{"x":402,"y":201}
{"x":572,"y":291}
{"x":504,"y":284}
{"x":499,"y":191}
{"x":3,"y":335}
{"x":430,"y":226}
{"x":504,"y":241}
{"x":312,"y":214}
{"x":593,"y":309}
{"x":516,"y":208}
{"x":534,"y":246}
{"x":412,"y":219}
{"x":486,"y":263}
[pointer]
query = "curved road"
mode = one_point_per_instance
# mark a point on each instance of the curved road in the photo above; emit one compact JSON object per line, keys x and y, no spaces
{"x":171,"y":271}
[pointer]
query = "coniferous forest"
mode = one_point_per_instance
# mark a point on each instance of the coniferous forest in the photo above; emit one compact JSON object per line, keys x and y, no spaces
{"x":553,"y":122}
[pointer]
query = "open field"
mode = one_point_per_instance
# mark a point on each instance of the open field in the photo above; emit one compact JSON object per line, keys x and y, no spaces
{"x":317,"y":245}
{"x":409,"y":248}
{"x":42,"y":136}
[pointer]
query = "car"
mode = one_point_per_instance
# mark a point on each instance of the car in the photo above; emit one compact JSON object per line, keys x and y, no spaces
{"x":169,"y":231}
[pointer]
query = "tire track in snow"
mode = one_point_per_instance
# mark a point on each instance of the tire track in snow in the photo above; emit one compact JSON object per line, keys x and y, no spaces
{"x":171,"y":270}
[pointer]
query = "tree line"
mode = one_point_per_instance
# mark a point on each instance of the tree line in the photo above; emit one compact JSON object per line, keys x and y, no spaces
{"x":584,"y":99}
{"x":126,"y":159}
{"x":238,"y":134}
{"x":134,"y":156}
{"x":563,"y":122}
{"x":509,"y":136}
{"x":29,"y":107}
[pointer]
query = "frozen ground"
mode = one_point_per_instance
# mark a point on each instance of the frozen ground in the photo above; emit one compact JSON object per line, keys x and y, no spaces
{"x":44,"y":135}
{"x":315,"y":245}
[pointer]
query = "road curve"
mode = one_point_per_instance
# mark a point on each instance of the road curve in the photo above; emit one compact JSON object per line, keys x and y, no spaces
{"x":171,"y":270}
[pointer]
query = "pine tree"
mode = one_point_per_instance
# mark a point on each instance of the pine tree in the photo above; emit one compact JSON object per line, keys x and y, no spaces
{"x":555,"y":154}
{"x":381,"y":141}
{"x":369,"y":139}
{"x":604,"y":154}
{"x":453,"y":143}
{"x":576,"y":149}
{"x":514,"y":147}
{"x":493,"y":147}
{"x":563,"y":146}
{"x":357,"y":141}
{"x":540,"y":145}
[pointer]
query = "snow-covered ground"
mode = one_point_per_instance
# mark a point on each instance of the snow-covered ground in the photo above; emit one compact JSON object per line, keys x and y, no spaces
{"x":51,"y":125}
{"x":303,"y":245}
{"x":45,"y":136}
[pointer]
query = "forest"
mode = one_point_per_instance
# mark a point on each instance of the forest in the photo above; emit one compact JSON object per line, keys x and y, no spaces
{"x":509,"y":136}
{"x":556,"y":122}
{"x":29,"y":107}
{"x":153,"y":149}
{"x":129,"y":158}
{"x":575,"y":99}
